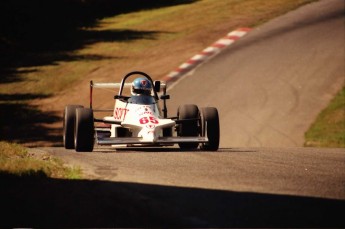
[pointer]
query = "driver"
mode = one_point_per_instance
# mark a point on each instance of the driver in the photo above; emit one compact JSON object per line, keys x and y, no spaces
{"x":141,"y":91}
{"x":141,"y":86}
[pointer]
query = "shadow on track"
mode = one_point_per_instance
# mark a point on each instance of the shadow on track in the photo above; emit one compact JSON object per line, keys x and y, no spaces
{"x":24,"y":123}
{"x":42,"y":202}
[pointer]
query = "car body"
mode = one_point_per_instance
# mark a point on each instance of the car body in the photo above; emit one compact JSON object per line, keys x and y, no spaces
{"x":139,"y":121}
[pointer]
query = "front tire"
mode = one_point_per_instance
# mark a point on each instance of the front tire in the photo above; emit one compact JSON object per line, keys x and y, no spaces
{"x":188,"y":128}
{"x":210,"y":128}
{"x":69,"y":125}
{"x":84,"y":130}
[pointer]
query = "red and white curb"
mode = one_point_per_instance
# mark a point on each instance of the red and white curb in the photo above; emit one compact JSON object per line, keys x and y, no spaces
{"x":206,"y":54}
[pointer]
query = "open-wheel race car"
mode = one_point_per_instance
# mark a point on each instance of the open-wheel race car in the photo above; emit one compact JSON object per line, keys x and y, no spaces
{"x":138,"y":121}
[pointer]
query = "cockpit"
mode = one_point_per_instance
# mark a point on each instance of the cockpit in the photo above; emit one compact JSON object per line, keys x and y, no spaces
{"x":142,"y":100}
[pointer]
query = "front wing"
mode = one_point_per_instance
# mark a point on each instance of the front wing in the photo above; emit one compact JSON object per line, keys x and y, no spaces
{"x":159,"y":141}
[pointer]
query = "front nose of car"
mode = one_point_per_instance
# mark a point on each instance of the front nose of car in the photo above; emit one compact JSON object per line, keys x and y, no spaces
{"x":148,"y":135}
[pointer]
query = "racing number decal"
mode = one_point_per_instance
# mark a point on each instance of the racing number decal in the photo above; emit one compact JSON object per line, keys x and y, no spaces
{"x":150,"y":119}
{"x":143,"y":120}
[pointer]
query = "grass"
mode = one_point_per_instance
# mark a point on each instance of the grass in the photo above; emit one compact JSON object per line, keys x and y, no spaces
{"x":328,"y":130}
{"x":15,"y":160}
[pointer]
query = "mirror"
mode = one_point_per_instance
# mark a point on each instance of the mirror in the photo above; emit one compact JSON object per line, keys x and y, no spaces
{"x":165,"y":97}
{"x":157,"y":86}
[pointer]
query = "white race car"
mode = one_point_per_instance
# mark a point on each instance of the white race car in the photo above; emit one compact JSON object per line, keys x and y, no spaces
{"x":138,"y":121}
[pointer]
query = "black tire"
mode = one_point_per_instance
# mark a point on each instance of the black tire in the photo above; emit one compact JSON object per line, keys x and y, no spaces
{"x":210,"y":128}
{"x":188,"y":128}
{"x":69,"y":125}
{"x":84,"y":130}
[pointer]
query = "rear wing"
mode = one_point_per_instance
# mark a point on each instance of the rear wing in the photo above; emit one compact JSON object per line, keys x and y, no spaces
{"x":158,"y":85}
{"x":118,"y":85}
{"x":108,"y":85}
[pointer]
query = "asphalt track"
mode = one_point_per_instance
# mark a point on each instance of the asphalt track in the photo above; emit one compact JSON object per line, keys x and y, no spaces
{"x":233,"y":187}
{"x":268,"y":87}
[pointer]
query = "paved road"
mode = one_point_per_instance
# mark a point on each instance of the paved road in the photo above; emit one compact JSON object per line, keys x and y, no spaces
{"x":308,"y":172}
{"x":237,"y":187}
{"x":270,"y":86}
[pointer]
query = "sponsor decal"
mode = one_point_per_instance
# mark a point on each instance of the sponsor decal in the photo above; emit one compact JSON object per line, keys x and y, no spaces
{"x":144,"y":110}
{"x":120,"y":113}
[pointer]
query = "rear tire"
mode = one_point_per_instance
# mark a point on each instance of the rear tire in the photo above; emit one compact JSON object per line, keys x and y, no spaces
{"x":188,"y":128}
{"x":210,"y":128}
{"x":69,"y":125}
{"x":84,"y":130}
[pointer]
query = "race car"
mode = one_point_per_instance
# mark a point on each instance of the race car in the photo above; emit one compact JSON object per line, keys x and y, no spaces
{"x":137,"y":120}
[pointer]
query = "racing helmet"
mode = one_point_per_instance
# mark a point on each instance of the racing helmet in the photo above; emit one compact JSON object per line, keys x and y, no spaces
{"x":141,"y":86}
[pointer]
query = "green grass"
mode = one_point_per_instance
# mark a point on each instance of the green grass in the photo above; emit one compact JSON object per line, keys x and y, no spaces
{"x":15,"y":160}
{"x":328,"y":130}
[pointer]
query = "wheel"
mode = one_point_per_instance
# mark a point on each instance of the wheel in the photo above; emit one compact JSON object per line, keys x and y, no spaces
{"x":84,"y":130}
{"x":188,"y":128}
{"x":210,"y":128}
{"x":68,"y":125}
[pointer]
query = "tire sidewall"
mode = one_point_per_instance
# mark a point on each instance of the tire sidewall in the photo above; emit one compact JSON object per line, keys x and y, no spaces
{"x":84,"y":130}
{"x":210,"y":128}
{"x":69,"y":117}
{"x":189,"y":128}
